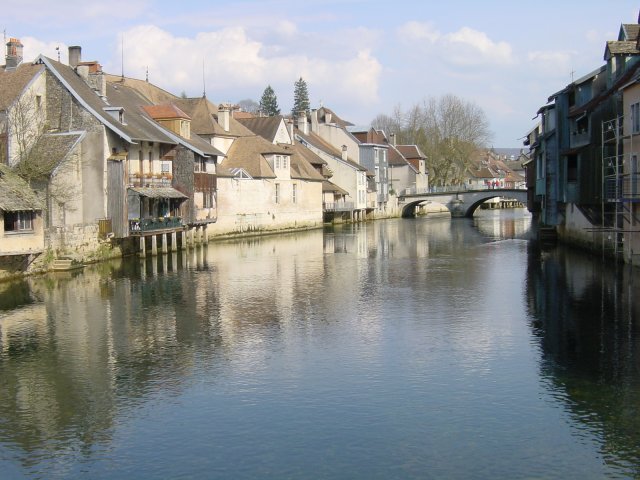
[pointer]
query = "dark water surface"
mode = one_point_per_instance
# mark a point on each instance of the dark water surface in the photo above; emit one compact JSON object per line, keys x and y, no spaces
{"x":393,"y":349}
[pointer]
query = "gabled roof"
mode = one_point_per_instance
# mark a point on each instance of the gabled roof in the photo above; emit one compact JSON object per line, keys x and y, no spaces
{"x":85,"y":96}
{"x":266,"y":127}
{"x":52,"y":149}
{"x":15,"y":193}
{"x":411,"y":152}
{"x":396,"y":159}
{"x":615,"y":47}
{"x":322,"y":115}
{"x":301,"y":168}
{"x":151,"y":92}
{"x":629,"y":31}
{"x":324,"y":146}
{"x":204,"y":118}
{"x":14,"y":82}
{"x":248,"y":153}
{"x":165,"y":111}
{"x":328,"y":186}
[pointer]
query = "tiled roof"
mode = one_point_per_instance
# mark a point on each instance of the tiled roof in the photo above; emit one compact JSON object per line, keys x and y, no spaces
{"x":15,"y":194}
{"x":615,"y":47}
{"x":149,"y":91}
{"x":300,"y":166}
{"x":327,"y":186}
{"x":52,"y":149}
{"x":248,"y":153}
{"x":322,"y":115}
{"x":326,"y":147}
{"x":13,"y":82}
{"x":411,"y":151}
{"x":165,"y":111}
{"x":629,"y":31}
{"x":266,"y":127}
{"x":204,"y":118}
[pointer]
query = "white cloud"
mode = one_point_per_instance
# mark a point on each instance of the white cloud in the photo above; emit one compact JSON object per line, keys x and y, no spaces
{"x":34,"y":47}
{"x":416,"y":32}
{"x":464,"y":47}
{"x":550,"y":62}
{"x":238,"y":66}
{"x":472,"y":47}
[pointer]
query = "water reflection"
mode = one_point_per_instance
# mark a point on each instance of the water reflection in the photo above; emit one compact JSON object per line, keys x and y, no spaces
{"x":584,"y":313}
{"x":343,"y":346}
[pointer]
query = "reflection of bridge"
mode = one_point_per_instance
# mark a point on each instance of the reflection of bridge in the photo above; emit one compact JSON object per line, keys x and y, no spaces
{"x":460,"y":203}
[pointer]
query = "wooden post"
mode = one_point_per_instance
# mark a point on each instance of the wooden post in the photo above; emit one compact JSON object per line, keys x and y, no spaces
{"x":204,"y":233}
{"x":174,"y":242}
{"x":165,"y":248}
{"x":184,"y":240}
{"x":143,"y":248}
{"x":154,"y":245}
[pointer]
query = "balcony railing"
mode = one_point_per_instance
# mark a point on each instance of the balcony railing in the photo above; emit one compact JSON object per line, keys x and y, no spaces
{"x":153,"y":224}
{"x":338,"y":206}
{"x":156,"y":180}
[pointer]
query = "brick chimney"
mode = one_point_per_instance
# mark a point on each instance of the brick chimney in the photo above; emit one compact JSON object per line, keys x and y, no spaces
{"x":14,"y":54}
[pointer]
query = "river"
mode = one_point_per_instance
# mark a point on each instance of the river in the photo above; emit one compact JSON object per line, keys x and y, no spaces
{"x":404,"y":348}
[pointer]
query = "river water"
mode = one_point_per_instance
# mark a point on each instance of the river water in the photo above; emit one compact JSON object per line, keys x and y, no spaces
{"x":426,"y":348}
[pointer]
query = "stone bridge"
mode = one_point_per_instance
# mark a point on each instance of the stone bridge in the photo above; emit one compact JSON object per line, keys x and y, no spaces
{"x":460,"y":203}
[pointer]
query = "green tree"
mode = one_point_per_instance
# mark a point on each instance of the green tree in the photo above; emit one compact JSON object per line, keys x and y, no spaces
{"x":300,"y":98}
{"x":269,"y":103}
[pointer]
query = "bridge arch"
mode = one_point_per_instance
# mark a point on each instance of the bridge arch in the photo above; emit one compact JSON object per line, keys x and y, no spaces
{"x":460,"y":203}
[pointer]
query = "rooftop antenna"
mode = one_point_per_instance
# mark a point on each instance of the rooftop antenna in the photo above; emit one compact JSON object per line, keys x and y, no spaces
{"x":204,"y":85}
{"x":147,"y":73}
{"x":122,"y":56}
{"x":58,"y":50}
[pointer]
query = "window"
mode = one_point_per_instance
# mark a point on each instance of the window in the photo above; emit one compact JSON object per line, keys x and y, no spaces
{"x":294,"y":193}
{"x":18,"y":221}
{"x":277,"y":193}
{"x":285,"y":162}
{"x":277,"y":161}
{"x":635,"y":118}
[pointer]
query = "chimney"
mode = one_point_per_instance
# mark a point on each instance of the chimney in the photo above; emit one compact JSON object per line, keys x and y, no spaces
{"x":327,"y":117}
{"x":224,"y":112}
{"x":393,"y":139}
{"x":344,"y":153}
{"x":75,"y":53}
{"x":314,"y":121}
{"x":303,"y":125}
{"x":290,"y":130}
{"x":14,"y":54}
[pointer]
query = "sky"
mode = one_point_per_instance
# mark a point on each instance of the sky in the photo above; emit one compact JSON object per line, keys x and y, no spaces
{"x":360,"y":58}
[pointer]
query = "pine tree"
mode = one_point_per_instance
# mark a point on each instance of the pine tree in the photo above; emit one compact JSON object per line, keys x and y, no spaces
{"x":300,"y":98}
{"x":269,"y":103}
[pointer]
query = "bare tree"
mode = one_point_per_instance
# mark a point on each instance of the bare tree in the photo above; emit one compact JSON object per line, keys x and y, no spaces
{"x":36,"y":159}
{"x":448,"y":130}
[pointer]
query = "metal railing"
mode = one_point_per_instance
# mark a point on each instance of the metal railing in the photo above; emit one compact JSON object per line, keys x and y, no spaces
{"x":338,"y":206}
{"x":152,"y":224}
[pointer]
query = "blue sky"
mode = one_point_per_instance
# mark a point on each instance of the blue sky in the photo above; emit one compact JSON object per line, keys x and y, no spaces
{"x":360,"y":58}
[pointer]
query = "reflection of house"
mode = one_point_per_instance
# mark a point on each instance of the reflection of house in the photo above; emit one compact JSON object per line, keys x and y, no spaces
{"x":21,"y":225}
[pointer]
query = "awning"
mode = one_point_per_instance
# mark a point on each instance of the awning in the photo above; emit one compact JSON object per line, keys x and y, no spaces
{"x":158,"y":192}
